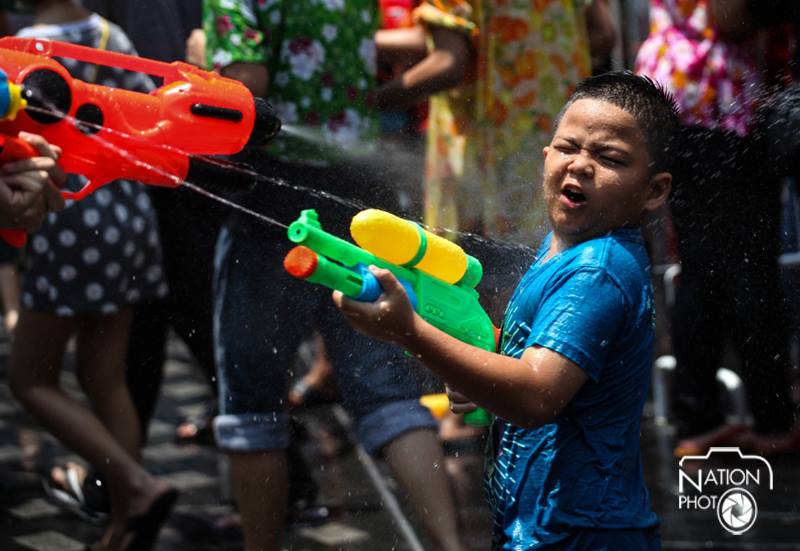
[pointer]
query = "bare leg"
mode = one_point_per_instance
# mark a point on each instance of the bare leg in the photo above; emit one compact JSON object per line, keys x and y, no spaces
{"x":452,"y":428}
{"x":261,"y":487}
{"x":101,"y":358}
{"x":9,"y":292}
{"x":101,"y":352}
{"x":317,"y":377}
{"x":35,"y":365}
{"x":417,"y":462}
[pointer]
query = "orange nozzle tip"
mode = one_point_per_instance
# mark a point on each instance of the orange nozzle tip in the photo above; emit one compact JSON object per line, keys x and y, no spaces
{"x":301,"y":262}
{"x":438,"y":404}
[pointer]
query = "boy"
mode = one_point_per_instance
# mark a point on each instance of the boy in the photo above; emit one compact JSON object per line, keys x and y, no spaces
{"x":570,"y":384}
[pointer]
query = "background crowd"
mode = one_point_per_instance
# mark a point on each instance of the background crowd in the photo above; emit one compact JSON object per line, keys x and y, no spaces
{"x":436,"y":110}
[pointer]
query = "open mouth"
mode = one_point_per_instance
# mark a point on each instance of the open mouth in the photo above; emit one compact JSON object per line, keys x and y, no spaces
{"x":574,"y":196}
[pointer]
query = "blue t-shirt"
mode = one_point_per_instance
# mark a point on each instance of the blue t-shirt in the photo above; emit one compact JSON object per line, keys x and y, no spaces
{"x":592,"y":304}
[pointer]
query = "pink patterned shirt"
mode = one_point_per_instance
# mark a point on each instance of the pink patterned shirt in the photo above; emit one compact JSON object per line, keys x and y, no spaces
{"x":716,"y":82}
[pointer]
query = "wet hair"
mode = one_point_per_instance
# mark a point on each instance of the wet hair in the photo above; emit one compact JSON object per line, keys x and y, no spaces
{"x":649,"y":103}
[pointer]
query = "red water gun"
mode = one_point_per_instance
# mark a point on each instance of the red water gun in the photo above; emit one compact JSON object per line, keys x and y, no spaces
{"x":162,"y":138}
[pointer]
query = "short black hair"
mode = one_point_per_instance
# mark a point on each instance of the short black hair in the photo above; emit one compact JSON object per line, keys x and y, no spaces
{"x":649,"y":103}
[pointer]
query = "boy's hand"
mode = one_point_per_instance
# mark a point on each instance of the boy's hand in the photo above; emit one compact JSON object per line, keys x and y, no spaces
{"x":29,"y":187}
{"x":458,"y":402}
{"x":389,"y":318}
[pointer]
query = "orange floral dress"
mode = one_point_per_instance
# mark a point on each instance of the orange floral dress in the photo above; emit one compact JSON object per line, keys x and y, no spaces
{"x":484,"y":155}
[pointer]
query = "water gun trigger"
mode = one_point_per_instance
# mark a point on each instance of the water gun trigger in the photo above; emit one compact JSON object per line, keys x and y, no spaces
{"x":12,"y":149}
{"x":89,"y":188}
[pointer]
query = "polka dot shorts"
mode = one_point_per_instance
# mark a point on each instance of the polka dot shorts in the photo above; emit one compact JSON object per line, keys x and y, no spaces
{"x":97,"y":255}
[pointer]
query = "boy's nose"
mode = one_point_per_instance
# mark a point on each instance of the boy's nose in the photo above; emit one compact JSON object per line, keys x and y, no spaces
{"x":580,"y":165}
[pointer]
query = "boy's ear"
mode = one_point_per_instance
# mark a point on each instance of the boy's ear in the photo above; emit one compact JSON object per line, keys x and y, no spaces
{"x":658,"y":191}
{"x":545,"y":149}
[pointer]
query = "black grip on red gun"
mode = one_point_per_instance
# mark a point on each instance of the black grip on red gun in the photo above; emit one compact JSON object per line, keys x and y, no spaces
{"x":14,"y":149}
{"x":232,"y":177}
{"x":266,"y":125}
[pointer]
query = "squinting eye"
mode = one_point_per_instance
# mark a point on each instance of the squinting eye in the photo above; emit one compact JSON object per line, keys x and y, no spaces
{"x":611,"y":161}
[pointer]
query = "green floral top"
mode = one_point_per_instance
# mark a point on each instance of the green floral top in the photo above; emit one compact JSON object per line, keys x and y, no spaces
{"x":321,"y":60}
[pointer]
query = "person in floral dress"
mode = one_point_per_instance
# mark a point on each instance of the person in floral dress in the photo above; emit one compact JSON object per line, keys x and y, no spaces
{"x":484,"y":136}
{"x":725,"y":208}
{"x":497,"y":74}
{"x":315,"y":62}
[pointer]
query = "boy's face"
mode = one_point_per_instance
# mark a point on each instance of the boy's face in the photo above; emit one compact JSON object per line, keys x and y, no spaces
{"x":596,"y":173}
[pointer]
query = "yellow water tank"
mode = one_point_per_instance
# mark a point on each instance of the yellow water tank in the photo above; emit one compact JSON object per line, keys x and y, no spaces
{"x":405,"y":243}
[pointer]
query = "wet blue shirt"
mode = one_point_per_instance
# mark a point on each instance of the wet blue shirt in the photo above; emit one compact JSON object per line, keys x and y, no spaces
{"x":593,"y":304}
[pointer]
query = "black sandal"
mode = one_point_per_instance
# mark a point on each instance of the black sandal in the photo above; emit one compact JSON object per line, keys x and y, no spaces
{"x":72,"y":496}
{"x":145,"y":527}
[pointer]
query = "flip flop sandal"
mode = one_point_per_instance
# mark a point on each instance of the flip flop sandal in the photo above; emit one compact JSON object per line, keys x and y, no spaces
{"x":311,"y":395}
{"x":142,"y":530}
{"x":202,"y":428}
{"x":71,"y":498}
{"x":145,"y":527}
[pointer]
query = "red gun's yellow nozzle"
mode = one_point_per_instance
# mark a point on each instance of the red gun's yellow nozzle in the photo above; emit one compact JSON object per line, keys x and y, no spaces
{"x":301,"y":262}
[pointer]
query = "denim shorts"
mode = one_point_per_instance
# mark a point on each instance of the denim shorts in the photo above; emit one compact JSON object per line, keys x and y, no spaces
{"x":261,"y":314}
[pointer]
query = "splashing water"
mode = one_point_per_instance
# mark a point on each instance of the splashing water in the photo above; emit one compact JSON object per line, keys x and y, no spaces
{"x":234,"y":205}
{"x":305,"y":133}
{"x":315,"y":137}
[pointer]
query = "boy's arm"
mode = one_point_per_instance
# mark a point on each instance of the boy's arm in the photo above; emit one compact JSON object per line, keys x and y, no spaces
{"x":528,"y":392}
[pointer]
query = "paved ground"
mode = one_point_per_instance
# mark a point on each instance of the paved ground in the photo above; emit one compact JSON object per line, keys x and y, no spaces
{"x":353,"y":487}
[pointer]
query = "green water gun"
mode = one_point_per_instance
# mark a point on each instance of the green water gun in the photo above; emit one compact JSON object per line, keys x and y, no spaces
{"x":438,"y":276}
